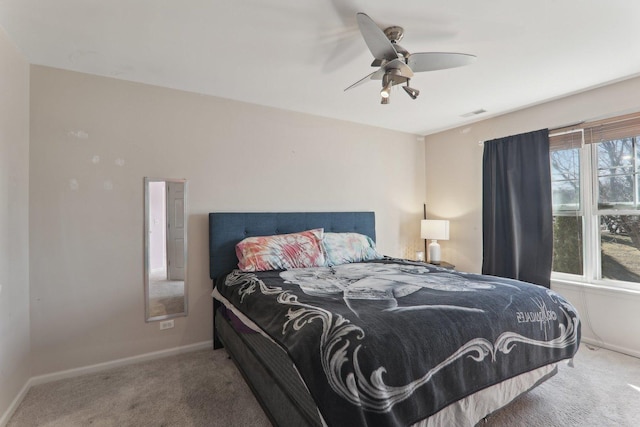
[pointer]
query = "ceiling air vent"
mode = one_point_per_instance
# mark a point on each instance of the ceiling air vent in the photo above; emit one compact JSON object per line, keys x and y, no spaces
{"x":474,"y":113}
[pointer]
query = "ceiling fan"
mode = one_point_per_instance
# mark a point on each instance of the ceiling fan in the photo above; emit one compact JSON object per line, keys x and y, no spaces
{"x":396,"y":65}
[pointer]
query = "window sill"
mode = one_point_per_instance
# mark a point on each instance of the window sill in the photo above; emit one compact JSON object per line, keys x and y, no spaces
{"x":604,"y":287}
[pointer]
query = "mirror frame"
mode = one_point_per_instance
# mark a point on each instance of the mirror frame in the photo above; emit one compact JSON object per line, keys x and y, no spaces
{"x":147,"y":267}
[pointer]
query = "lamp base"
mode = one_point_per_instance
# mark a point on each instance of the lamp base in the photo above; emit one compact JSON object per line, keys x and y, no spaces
{"x":434,"y":252}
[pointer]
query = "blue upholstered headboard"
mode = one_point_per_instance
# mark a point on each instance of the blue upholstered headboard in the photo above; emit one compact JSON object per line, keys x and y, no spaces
{"x":226,"y":229}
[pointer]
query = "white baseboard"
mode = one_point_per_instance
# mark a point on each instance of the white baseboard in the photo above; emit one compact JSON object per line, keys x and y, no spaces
{"x":14,"y":405}
{"x":616,"y":348}
{"x":70,"y":373}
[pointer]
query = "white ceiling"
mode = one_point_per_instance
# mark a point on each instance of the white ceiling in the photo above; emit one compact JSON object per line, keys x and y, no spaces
{"x":300,"y":54}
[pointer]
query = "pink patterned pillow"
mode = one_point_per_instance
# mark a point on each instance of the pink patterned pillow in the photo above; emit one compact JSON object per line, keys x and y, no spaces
{"x":282,"y":251}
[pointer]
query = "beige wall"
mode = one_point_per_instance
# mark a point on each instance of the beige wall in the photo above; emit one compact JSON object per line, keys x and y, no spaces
{"x":454,"y":191}
{"x":14,"y":223}
{"x":93,"y":139}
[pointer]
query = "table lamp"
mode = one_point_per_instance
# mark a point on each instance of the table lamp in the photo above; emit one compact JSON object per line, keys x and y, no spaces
{"x":434,"y":230}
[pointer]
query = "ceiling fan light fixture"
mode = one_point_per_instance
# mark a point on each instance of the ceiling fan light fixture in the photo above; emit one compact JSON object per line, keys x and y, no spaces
{"x":384,"y":100}
{"x":387,"y":82}
{"x":413,"y":93}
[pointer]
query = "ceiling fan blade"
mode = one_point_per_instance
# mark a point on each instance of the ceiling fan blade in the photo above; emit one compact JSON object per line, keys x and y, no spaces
{"x":405,"y":70}
{"x":364,"y":80}
{"x":431,"y":61}
{"x":398,"y":64}
{"x":374,"y":37}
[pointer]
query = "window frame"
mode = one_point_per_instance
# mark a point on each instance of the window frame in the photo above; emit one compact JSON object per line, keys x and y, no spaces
{"x":580,"y":212}
{"x":590,"y":212}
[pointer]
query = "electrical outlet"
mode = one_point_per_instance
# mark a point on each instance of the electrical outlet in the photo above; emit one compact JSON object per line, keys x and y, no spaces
{"x":167,"y":324}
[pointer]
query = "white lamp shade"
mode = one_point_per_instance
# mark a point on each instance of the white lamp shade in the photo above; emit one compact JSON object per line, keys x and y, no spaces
{"x":434,"y":229}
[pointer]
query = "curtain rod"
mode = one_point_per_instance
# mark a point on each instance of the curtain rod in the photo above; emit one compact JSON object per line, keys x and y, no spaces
{"x":560,"y":128}
{"x":556,"y":131}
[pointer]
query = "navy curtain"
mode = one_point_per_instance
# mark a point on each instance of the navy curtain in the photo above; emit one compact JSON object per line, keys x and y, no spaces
{"x":517,"y":221}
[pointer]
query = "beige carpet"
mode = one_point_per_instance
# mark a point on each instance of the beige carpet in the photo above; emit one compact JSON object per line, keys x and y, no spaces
{"x":203,"y":388}
{"x":602,"y":389}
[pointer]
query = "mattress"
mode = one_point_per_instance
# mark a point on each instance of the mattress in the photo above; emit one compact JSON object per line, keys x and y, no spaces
{"x":263,"y":362}
{"x":368,"y":394}
{"x":272,"y":376}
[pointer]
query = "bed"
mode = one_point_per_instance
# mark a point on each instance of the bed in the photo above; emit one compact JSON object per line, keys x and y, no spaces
{"x":378,"y":341}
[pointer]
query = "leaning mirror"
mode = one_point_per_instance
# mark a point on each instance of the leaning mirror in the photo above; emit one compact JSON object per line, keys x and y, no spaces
{"x":165,"y":248}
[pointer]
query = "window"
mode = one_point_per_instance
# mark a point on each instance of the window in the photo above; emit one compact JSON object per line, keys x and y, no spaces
{"x":595,"y":177}
{"x":567,"y":203}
